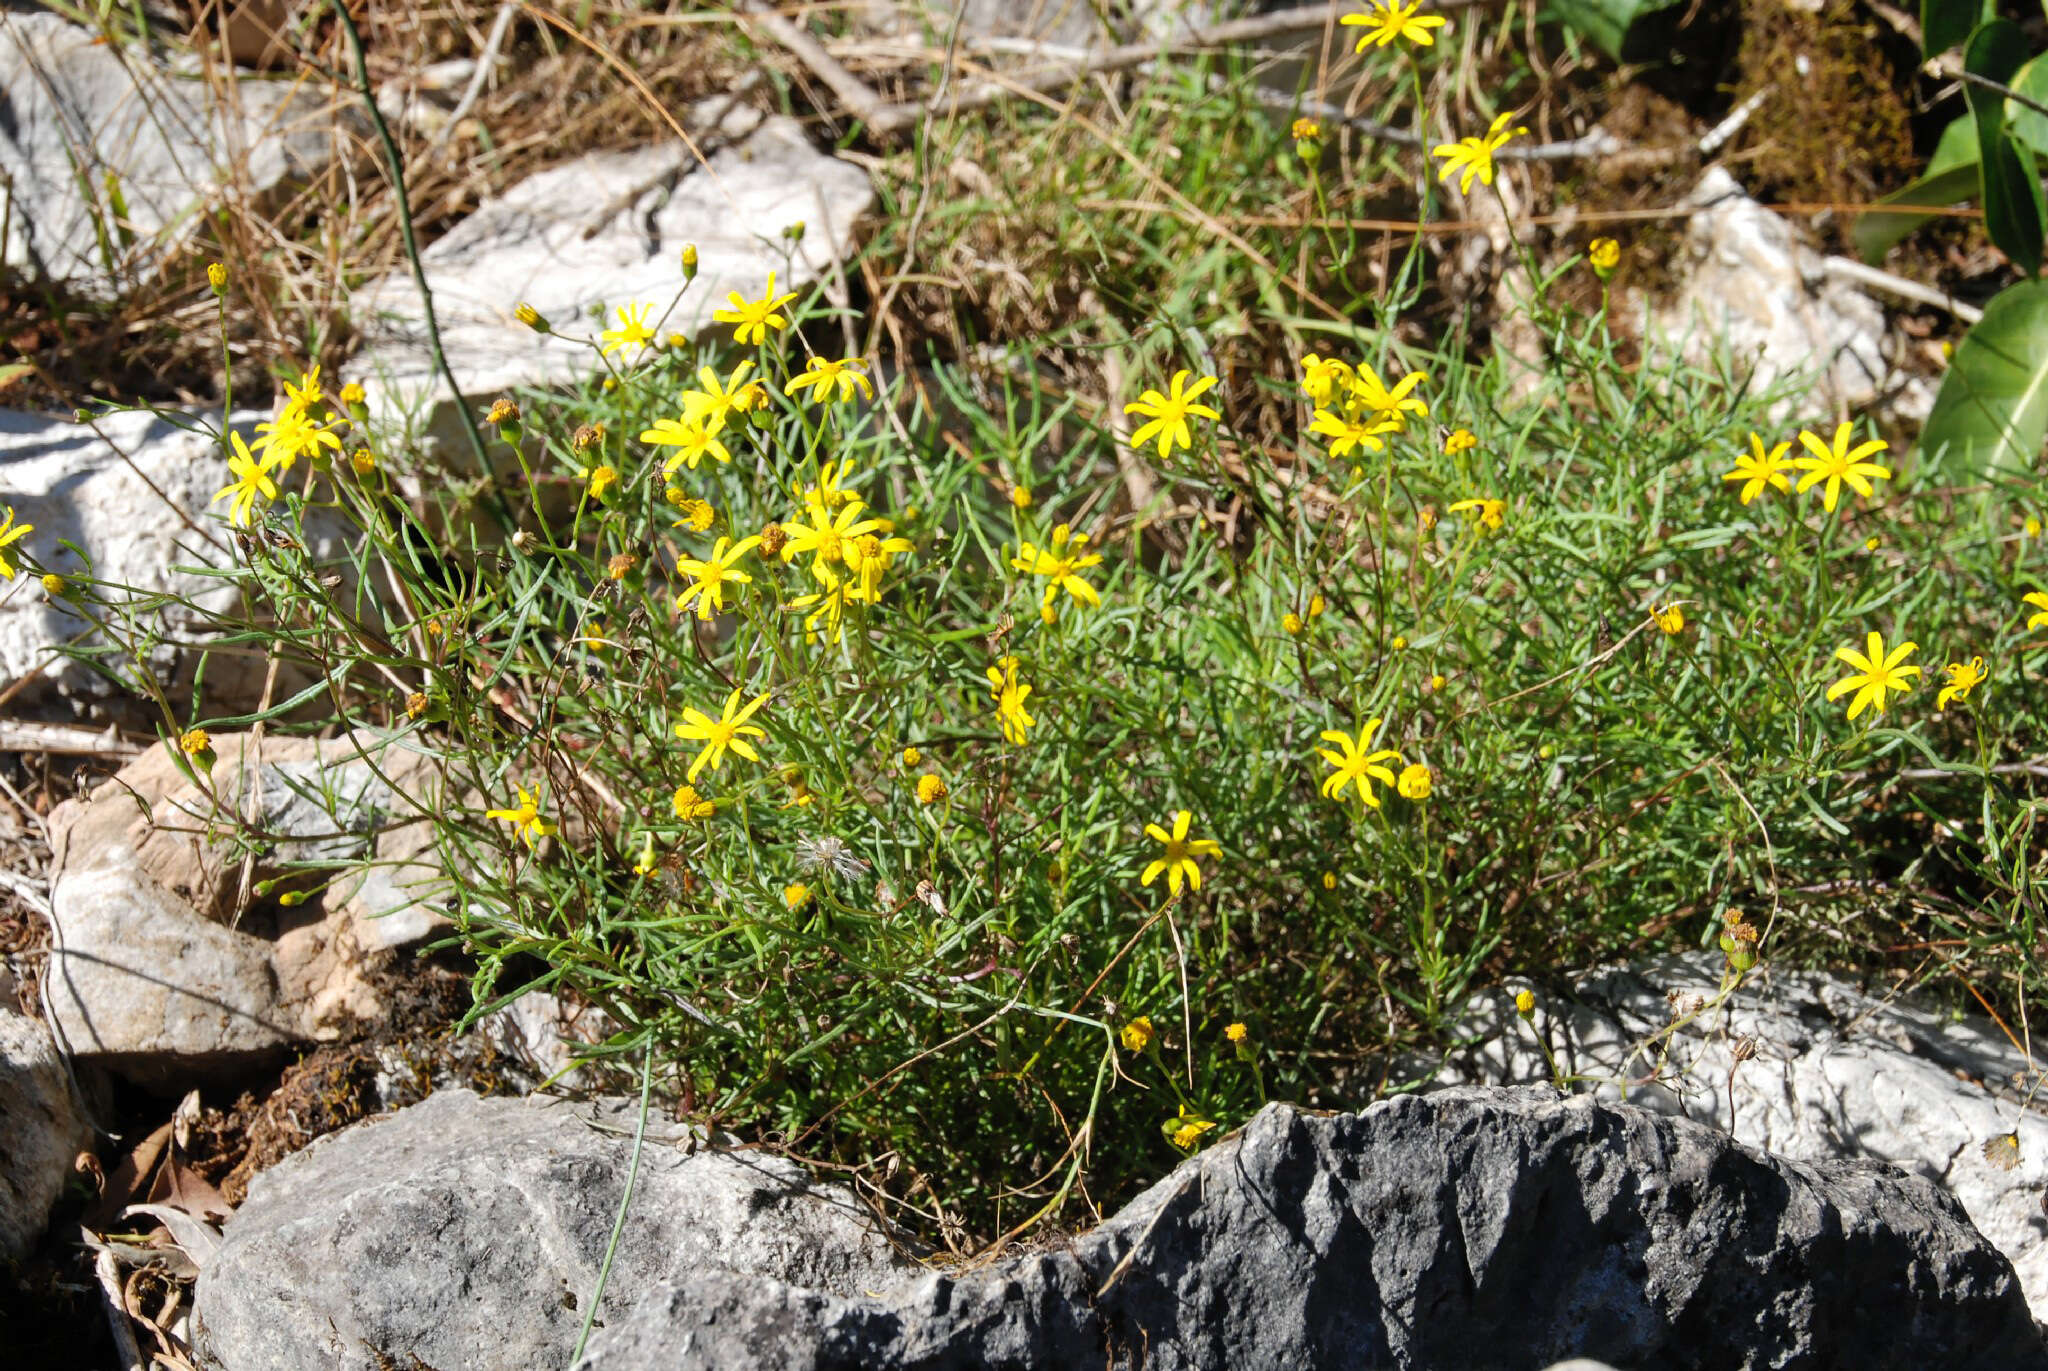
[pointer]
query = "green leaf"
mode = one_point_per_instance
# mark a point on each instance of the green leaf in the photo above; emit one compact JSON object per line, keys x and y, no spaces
{"x":1951,"y":176}
{"x":1992,"y":409}
{"x":2028,"y":125}
{"x":1608,"y":23}
{"x":2014,"y":213}
{"x":1945,"y":23}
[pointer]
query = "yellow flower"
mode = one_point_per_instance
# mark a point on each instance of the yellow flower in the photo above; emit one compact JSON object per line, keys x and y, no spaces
{"x":1415,"y":782}
{"x":1315,"y":606}
{"x":828,"y":536}
{"x":729,"y":731}
{"x":300,"y":398}
{"x":525,"y":818}
{"x":831,"y":490}
{"x":689,"y":260}
{"x":1487,"y":512}
{"x":1436,"y":684}
{"x":353,"y":396}
{"x":823,"y":377}
{"x":602,"y":479}
{"x":1386,"y":21}
{"x":1461,"y":440}
{"x":1235,"y":1032}
{"x":867,"y":560}
{"x":363,"y":461}
{"x":2033,"y":597}
{"x":1320,"y":379}
{"x":531,"y":317}
{"x":1758,"y":468}
{"x":11,"y":532}
{"x":1137,"y":1035}
{"x":712,"y":405}
{"x":1387,"y":406}
{"x":1020,"y":496}
{"x":1838,"y":463}
{"x":828,"y":604}
{"x":1400,"y":643}
{"x":1671,"y":618}
{"x":697,"y":514}
{"x":755,"y":317}
{"x":2033,"y":527}
{"x":1061,"y":563}
{"x":1876,"y":673}
{"x":1178,"y":861}
{"x":1347,"y":434}
{"x":293,"y":436}
{"x":1290,"y":623}
{"x":693,"y":440}
{"x":631,"y":332}
{"x":1170,"y":413}
{"x":1010,"y":697}
{"x":1525,"y":1003}
{"x":53,"y":584}
{"x":1329,"y":880}
{"x":1186,"y":1129}
{"x":194,"y":741}
{"x":217,"y":277}
{"x":796,"y":895}
{"x":1604,"y":254}
{"x":1306,"y":130}
{"x":713,"y":575}
{"x":930,"y":789}
{"x":1355,"y":765}
{"x":252,"y":482}
{"x":911,"y":757}
{"x":689,"y":806}
{"x":1474,"y":155}
{"x":1963,"y":677}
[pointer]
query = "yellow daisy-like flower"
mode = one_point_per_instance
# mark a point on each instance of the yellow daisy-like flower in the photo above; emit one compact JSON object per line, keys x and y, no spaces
{"x":1461,"y":440}
{"x":828,"y":604}
{"x":713,"y":574}
{"x":1876,"y":673}
{"x":601,"y":480}
{"x":1355,"y":764}
{"x":1169,"y":413}
{"x":11,"y":532}
{"x":1490,"y":513}
{"x":292,"y":436}
{"x":1474,"y":156}
{"x":1671,"y":619}
{"x":1415,"y":781}
{"x":826,"y":535}
{"x":302,"y":397}
{"x":525,"y":818}
{"x":714,"y":404}
{"x":796,"y":895}
{"x":1347,"y":435}
{"x":1838,"y":462}
{"x":1185,"y":1130}
{"x":1061,"y":563}
{"x":252,"y":483}
{"x":2038,"y":600}
{"x":1387,"y":406}
{"x":868,"y":558}
{"x":1320,"y":379}
{"x":1137,"y":1035}
{"x":696,"y":514}
{"x":755,"y":317}
{"x":632,"y":330}
{"x":1386,"y":22}
{"x":1758,"y":468}
{"x":1177,"y":863}
{"x":1235,"y":1032}
{"x":831,"y":491}
{"x":692,"y":439}
{"x":824,"y":377}
{"x":1604,"y":255}
{"x":1010,"y":696}
{"x":1963,"y":677}
{"x":689,"y":806}
{"x":728,"y":732}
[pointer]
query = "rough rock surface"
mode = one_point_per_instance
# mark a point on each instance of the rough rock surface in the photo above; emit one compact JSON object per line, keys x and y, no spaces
{"x":43,"y":1128}
{"x":1747,"y":282}
{"x":603,"y":231}
{"x":156,"y":966}
{"x":1504,"y":1229}
{"x":104,"y":154}
{"x":1837,"y":1073}
{"x":467,"y":1232}
{"x":107,"y":496}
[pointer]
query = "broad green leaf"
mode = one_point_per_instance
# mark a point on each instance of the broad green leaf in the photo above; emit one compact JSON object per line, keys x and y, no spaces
{"x":1951,"y":176}
{"x":1992,"y":409}
{"x":1945,"y":23}
{"x":2014,"y":212}
{"x":1607,"y":23}
{"x":2028,"y":125}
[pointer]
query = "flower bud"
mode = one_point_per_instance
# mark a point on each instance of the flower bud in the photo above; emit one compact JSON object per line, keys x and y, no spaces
{"x":689,"y":261}
{"x":532,"y":318}
{"x":217,"y":277}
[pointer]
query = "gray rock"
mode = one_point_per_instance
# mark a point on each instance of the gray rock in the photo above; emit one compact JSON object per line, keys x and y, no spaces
{"x":107,"y":157}
{"x":159,"y":970}
{"x":43,"y":1128}
{"x":604,"y":230}
{"x":1467,"y":1229}
{"x":1747,"y":283}
{"x":467,"y":1233}
{"x":1837,"y":1073}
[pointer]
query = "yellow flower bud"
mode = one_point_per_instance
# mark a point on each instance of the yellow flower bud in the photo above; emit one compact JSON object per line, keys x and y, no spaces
{"x":1020,"y":496}
{"x":217,"y":277}
{"x":1525,"y":1003}
{"x":532,"y":318}
{"x":1414,"y":782}
{"x":1605,"y":255}
{"x":689,"y":261}
{"x":930,"y":789}
{"x":53,"y":583}
{"x":363,"y":460}
{"x":1292,"y":623}
{"x":911,"y":757}
{"x":1137,"y":1035}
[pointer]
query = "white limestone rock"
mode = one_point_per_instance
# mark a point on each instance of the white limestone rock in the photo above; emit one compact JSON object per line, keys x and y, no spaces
{"x":43,"y":1128}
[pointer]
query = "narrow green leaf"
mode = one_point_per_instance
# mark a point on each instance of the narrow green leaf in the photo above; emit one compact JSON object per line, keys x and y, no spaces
{"x":2014,"y":212}
{"x":1992,"y":409}
{"x":2030,"y":126}
{"x":1951,"y":176}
